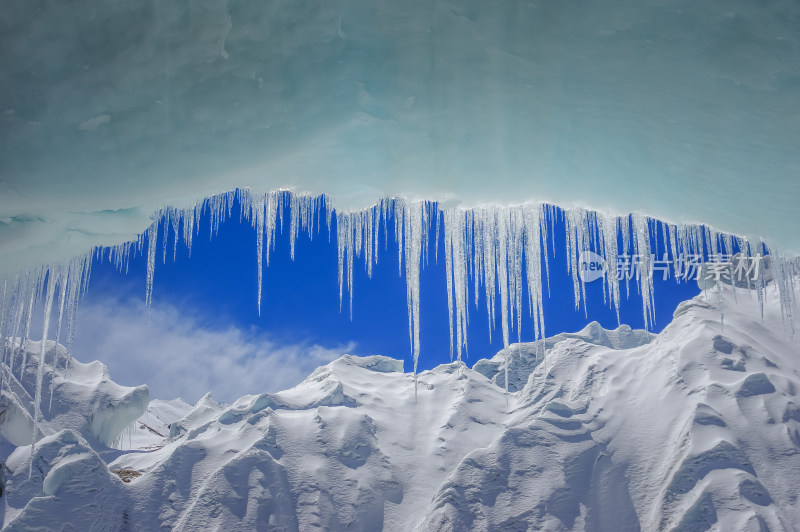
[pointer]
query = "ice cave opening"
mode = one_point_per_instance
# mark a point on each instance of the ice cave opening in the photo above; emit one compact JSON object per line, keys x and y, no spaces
{"x":637,"y":142}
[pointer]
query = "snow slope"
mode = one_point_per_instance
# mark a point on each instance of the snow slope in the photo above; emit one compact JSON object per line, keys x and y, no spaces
{"x":696,"y":428}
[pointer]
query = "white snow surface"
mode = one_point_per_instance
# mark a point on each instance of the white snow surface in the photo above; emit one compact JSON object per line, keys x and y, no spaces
{"x":85,"y":399}
{"x":109,"y":110}
{"x":696,"y":428}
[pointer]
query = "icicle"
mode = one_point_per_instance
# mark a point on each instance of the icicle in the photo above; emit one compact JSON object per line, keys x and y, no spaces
{"x":350,"y":242}
{"x":35,"y":291}
{"x":176,"y":220}
{"x":37,"y":400}
{"x":385,"y":216}
{"x":165,"y":219}
{"x":628,"y":252}
{"x":457,"y":278}
{"x":502,"y":272}
{"x":587,"y":240}
{"x":358,"y":233}
{"x":81,"y":267}
{"x":489,"y":233}
{"x":189,"y":216}
{"x":673,"y":243}
{"x":63,"y":279}
{"x":533,"y":266}
{"x":413,"y":239}
{"x":574,"y":230}
{"x":436,"y":247}
{"x":258,"y":210}
{"x":328,"y":217}
{"x":460,"y":284}
{"x":517,"y":230}
{"x":477,"y":252}
{"x":294,"y":223}
{"x":340,"y":251}
{"x":398,"y":232}
{"x":608,"y":228}
{"x":281,"y":206}
{"x":642,"y":249}
{"x":272,"y":208}
{"x":448,"y":261}
{"x":345,"y":248}
{"x":543,"y":230}
{"x":501,"y":224}
{"x":23,"y":285}
{"x":152,"y":238}
{"x":376,"y":232}
{"x":489,"y":246}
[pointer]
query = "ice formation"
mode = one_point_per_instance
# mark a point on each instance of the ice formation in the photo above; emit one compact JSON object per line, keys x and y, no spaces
{"x":133,"y":106}
{"x":486,"y":249}
{"x":480,"y":106}
{"x":689,"y":429}
{"x":112,"y":110}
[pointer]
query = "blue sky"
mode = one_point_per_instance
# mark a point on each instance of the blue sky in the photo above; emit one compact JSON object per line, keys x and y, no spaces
{"x":205,"y":334}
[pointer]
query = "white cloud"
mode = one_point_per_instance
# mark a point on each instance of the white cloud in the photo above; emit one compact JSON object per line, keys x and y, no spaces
{"x":177,"y":357}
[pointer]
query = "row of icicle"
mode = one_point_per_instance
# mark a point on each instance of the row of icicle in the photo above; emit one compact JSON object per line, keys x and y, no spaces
{"x":485,"y":248}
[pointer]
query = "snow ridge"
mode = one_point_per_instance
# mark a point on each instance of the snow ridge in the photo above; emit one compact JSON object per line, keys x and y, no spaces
{"x":695,"y":428}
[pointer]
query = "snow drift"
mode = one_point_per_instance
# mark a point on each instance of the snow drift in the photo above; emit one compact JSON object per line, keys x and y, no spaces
{"x":695,"y":428}
{"x":84,"y":398}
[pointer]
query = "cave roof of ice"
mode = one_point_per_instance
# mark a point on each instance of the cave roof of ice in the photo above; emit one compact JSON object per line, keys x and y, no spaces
{"x":682,"y":110}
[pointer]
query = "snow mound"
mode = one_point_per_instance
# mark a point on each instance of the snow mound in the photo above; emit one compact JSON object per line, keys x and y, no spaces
{"x":85,"y":399}
{"x":69,"y":488}
{"x":662,"y":436}
{"x":696,"y":428}
{"x":524,"y":357}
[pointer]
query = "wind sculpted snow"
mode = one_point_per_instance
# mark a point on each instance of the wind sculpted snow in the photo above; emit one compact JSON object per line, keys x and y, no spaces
{"x":689,"y":429}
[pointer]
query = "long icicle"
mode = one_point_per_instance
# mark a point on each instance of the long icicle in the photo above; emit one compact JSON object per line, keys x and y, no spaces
{"x":37,"y":400}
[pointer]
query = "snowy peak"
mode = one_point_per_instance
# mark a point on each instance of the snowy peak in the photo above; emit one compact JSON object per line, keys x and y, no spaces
{"x":523,"y":358}
{"x":377,"y":363}
{"x":699,"y":421}
{"x":696,"y":428}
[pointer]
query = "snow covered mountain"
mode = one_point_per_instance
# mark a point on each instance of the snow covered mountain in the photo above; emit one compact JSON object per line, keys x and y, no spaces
{"x":696,"y":428}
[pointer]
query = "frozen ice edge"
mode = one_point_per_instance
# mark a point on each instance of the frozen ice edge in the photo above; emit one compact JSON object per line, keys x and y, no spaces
{"x":484,"y":245}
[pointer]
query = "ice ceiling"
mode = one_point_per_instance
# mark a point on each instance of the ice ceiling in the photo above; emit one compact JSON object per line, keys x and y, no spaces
{"x":686,"y":111}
